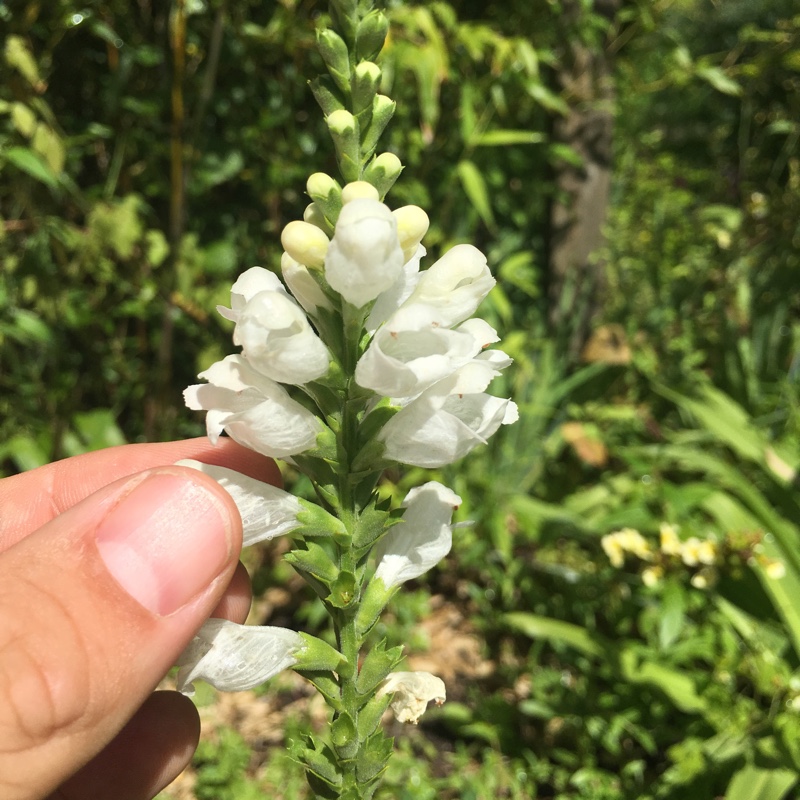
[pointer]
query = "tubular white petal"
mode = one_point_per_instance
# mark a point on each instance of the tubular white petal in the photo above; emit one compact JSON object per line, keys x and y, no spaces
{"x":254,"y":410}
{"x":456,"y":284}
{"x":302,"y":285}
{"x":234,"y":657}
{"x":411,"y":352}
{"x":412,"y":692}
{"x":277,"y":340}
{"x":448,"y":420}
{"x":389,"y":301}
{"x":422,"y":539}
{"x":266,"y":511}
{"x":364,"y":257}
{"x":247,"y":286}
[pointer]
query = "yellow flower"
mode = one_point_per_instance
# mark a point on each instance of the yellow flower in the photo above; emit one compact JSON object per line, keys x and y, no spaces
{"x":633,"y":542}
{"x":670,"y":543}
{"x":613,"y":549}
{"x":651,"y":576}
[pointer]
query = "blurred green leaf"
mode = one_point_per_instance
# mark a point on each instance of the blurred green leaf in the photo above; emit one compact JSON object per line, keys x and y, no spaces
{"x":31,"y":163}
{"x":756,"y":783}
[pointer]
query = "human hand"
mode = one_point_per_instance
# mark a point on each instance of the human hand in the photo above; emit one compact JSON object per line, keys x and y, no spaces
{"x":109,"y":562}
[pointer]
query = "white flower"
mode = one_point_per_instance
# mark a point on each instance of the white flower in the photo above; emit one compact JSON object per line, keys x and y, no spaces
{"x":389,"y":301}
{"x":234,"y":657}
{"x":364,"y":257}
{"x":452,"y":417}
{"x":422,"y":539}
{"x":412,"y":351}
{"x":266,"y":511}
{"x":456,"y":284}
{"x":277,"y":340}
{"x":412,"y":225}
{"x":302,"y":285}
{"x":412,"y":692}
{"x":246,"y":287}
{"x":254,"y":410}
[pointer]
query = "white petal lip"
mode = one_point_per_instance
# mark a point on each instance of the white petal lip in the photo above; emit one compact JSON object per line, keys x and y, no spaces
{"x":412,"y":692}
{"x":266,"y":511}
{"x":448,"y":420}
{"x":254,"y":410}
{"x":389,"y":301}
{"x":364,"y":257}
{"x":234,"y":657}
{"x":277,"y":340}
{"x":422,"y":539}
{"x":247,"y":286}
{"x":456,"y":284}
{"x":411,"y":352}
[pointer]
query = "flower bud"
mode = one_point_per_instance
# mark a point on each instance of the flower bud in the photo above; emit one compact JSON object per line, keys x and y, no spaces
{"x":412,"y":225}
{"x":334,"y":53}
{"x":327,"y":194}
{"x":382,"y":111}
{"x":365,"y":87}
{"x":312,"y":214}
{"x":371,"y":35}
{"x":382,"y":172}
{"x":359,"y":190}
{"x":305,"y":243}
{"x":344,"y":130}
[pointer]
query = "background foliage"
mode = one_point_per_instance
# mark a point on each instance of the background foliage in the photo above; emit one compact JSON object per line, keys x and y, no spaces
{"x":150,"y":152}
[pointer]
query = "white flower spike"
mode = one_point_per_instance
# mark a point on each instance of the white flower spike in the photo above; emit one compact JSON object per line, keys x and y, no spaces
{"x":254,"y":410}
{"x":234,"y":657}
{"x":266,"y":511}
{"x":364,"y":257}
{"x":412,"y":693}
{"x":422,"y":539}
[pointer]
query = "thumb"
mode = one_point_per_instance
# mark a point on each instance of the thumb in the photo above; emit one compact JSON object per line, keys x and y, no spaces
{"x":95,"y":607}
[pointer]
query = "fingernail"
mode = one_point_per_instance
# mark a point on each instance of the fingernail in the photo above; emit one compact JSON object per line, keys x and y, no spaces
{"x":165,"y":541}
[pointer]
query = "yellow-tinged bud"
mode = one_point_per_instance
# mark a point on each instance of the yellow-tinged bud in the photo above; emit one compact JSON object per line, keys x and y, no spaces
{"x":412,"y":225}
{"x":383,"y":171}
{"x":359,"y":190}
{"x":341,"y":122}
{"x":305,"y":243}
{"x":320,"y":184}
{"x":313,"y":215}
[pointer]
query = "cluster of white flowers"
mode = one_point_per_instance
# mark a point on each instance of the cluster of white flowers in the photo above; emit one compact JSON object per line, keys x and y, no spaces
{"x":420,"y":355}
{"x":425,"y":354}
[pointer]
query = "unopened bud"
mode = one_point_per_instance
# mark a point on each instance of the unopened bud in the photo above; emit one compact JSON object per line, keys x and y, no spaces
{"x":334,"y":53}
{"x":314,"y":216}
{"x":305,"y":243}
{"x":382,"y":111}
{"x":365,"y":86}
{"x":327,"y":194}
{"x":412,"y":225}
{"x":359,"y":190}
{"x":371,"y":35}
{"x":344,"y":130}
{"x":383,"y":171}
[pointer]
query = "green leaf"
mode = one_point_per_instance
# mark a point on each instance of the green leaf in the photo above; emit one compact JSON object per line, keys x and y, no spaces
{"x":504,"y":138}
{"x":755,"y":783}
{"x":379,"y":662}
{"x":476,"y":190}
{"x":671,"y":621}
{"x":537,"y":627}
{"x":676,"y":685}
{"x":32,"y":163}
{"x":719,"y":80}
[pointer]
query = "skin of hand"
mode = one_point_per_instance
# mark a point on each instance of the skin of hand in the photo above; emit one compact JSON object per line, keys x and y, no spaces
{"x":109,"y":563}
